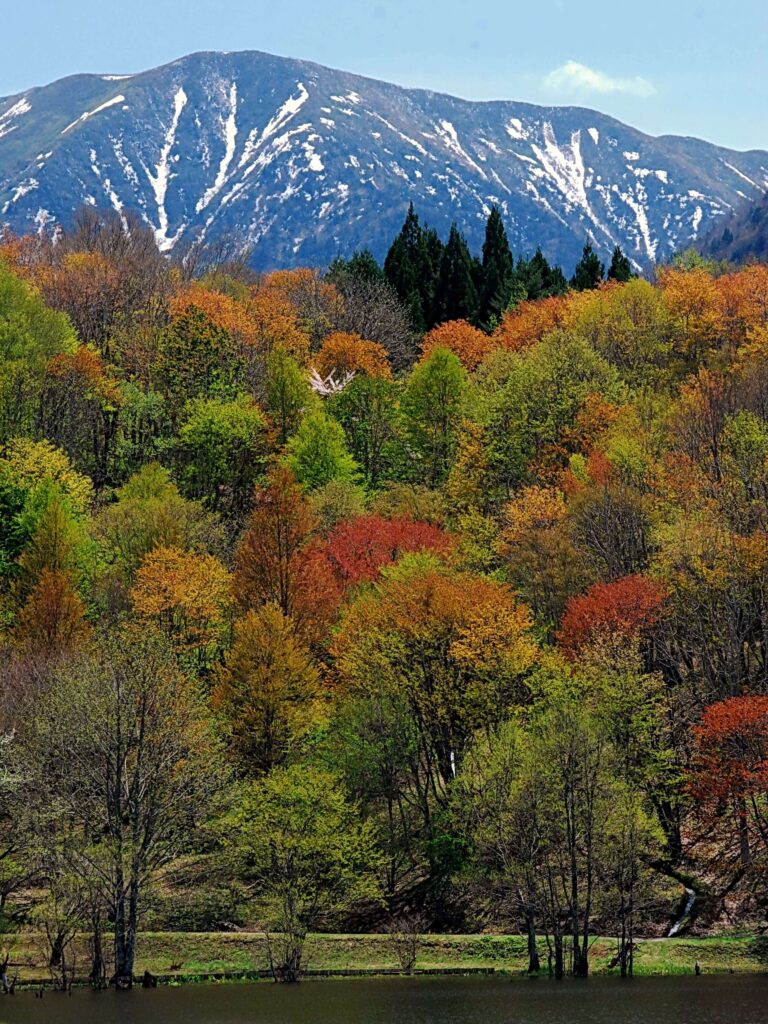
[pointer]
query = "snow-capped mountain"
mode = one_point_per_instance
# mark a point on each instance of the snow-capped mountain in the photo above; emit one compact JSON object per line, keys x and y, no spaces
{"x":303,"y":162}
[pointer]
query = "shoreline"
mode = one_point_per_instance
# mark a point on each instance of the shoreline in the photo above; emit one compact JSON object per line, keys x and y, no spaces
{"x":187,"y":958}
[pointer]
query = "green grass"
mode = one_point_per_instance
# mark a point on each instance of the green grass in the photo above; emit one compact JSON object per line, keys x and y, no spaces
{"x":191,"y":954}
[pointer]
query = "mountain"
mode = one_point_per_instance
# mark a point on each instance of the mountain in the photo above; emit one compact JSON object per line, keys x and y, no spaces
{"x":742,"y":235}
{"x":304,"y":162}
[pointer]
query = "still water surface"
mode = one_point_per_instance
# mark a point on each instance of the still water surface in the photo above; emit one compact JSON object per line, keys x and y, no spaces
{"x":713,"y":1000}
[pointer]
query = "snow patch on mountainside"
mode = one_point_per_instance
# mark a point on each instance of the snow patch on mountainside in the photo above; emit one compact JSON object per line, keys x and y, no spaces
{"x":91,"y":113}
{"x":450,"y":138}
{"x":20,"y":191}
{"x":230,"y":142}
{"x":749,"y":180}
{"x":285,"y":113}
{"x":515,"y":130}
{"x":161,"y":177}
{"x":106,"y":185}
{"x":564,"y":166}
{"x":22,"y":106}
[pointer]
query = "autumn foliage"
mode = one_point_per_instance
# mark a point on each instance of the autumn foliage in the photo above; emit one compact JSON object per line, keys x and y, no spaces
{"x":187,"y":594}
{"x":732,"y":749}
{"x":627,"y":607}
{"x":349,"y":353}
{"x":498,"y":591}
{"x":280,"y":560}
{"x":53,"y":618}
{"x":528,"y":322}
{"x":359,"y":548}
{"x":465,"y":341}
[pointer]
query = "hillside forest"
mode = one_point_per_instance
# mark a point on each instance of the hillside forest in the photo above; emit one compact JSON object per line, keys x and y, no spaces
{"x":424,"y":596}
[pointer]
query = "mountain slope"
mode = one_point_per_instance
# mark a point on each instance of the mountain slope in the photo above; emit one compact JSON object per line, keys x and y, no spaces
{"x":742,"y":236}
{"x":303,"y":162}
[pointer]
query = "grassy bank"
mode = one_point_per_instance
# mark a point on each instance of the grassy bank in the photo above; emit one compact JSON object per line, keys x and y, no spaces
{"x":188,"y":955}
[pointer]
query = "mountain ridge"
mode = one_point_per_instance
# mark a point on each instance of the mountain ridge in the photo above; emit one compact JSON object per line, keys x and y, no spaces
{"x":212,"y":144}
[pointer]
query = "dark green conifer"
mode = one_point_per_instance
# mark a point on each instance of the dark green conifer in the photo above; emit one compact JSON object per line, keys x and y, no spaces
{"x":620,"y":268}
{"x":498,"y":269}
{"x":589,"y":270}
{"x":412,"y":267}
{"x":458,"y":294}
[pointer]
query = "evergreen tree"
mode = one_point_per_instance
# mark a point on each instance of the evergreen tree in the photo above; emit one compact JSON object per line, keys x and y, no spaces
{"x":431,"y":259}
{"x":557,"y":283}
{"x":620,"y":268}
{"x":539,"y":279}
{"x":589,"y":271}
{"x":498,"y":270}
{"x":458,"y":294}
{"x":403,"y":265}
{"x":362,"y":264}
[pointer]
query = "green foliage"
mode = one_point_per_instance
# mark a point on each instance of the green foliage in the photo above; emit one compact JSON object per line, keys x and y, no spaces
{"x":30,"y":335}
{"x":536,"y":279}
{"x":197,"y":360}
{"x":149,"y":512}
{"x":526,"y":401}
{"x":456,"y":283}
{"x":368,"y":410}
{"x":497,"y":730}
{"x":412,"y":267}
{"x":144,"y":431}
{"x":302,"y":842}
{"x":222,"y":449}
{"x":288,"y":392}
{"x":620,"y":269}
{"x":362,"y":264}
{"x":336,"y":502}
{"x":317,"y":452}
{"x":431,"y":405}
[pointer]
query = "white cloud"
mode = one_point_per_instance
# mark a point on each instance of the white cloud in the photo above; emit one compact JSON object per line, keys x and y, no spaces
{"x":575,"y":78}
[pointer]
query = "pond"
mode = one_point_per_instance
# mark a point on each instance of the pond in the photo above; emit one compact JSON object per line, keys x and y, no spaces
{"x":689,"y":1000}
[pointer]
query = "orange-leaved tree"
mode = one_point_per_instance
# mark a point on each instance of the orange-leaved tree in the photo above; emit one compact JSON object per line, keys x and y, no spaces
{"x":279,"y":559}
{"x":460,"y":337}
{"x":189,"y":595}
{"x":530,"y":321}
{"x":454,"y":647}
{"x":344,"y":353}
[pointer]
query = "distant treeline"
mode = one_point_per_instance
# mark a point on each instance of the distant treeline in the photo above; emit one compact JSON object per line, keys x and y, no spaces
{"x":440,"y":281}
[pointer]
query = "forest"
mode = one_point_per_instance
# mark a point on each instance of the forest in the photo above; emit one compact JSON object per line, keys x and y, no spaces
{"x":423,"y":597}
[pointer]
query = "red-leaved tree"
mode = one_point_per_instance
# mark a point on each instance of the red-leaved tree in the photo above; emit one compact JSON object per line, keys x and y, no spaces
{"x":730,"y":770}
{"x":627,"y":607}
{"x":359,"y":548}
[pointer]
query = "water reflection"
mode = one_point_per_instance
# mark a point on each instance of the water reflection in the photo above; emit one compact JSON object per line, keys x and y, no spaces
{"x":706,"y":1000}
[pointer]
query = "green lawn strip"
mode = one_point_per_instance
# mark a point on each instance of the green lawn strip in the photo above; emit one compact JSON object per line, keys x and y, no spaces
{"x":194,"y":954}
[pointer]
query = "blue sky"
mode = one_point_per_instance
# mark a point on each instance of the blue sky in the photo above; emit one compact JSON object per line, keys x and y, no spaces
{"x":692,"y":67}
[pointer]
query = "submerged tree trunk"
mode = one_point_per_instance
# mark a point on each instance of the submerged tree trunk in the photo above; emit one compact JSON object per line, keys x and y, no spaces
{"x":557,"y":940}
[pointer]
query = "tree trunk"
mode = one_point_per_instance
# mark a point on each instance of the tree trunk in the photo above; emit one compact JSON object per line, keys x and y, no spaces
{"x":580,"y":960}
{"x":533,"y":952}
{"x":98,"y":976}
{"x":745,"y":851}
{"x":559,"y":964}
{"x":124,"y":944}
